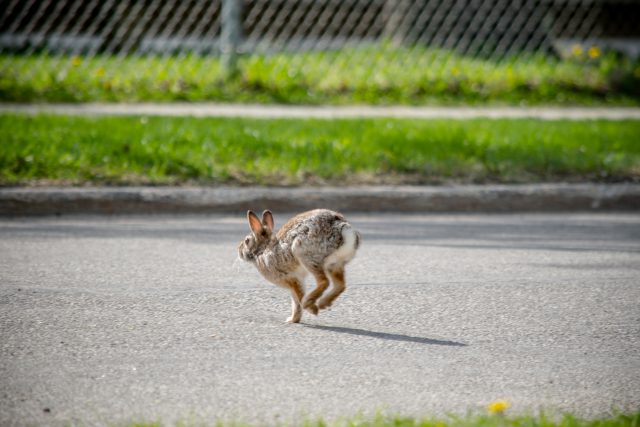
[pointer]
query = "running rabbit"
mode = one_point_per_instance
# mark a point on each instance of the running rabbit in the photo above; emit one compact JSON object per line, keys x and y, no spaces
{"x":320,"y":242}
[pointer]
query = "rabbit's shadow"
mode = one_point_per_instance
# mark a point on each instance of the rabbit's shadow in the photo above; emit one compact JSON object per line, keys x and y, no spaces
{"x":384,"y":335}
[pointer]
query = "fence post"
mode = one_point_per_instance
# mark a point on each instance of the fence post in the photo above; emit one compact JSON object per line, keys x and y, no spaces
{"x":395,"y":13}
{"x":231,"y":19}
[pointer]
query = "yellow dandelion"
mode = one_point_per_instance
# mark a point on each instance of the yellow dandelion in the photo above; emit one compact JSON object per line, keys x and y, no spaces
{"x":75,"y":61}
{"x":455,"y":72}
{"x":594,"y":52}
{"x":100,"y":72}
{"x":576,"y":50}
{"x":498,"y":406}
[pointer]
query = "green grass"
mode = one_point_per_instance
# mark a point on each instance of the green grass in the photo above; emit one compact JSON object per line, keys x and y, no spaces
{"x":161,"y":150}
{"x":621,"y":420}
{"x":380,"y":74}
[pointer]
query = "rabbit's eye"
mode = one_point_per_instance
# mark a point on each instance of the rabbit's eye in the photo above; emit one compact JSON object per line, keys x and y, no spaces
{"x":247,"y":240}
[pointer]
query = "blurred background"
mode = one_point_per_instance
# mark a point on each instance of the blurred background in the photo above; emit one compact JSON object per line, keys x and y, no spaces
{"x":322,"y":51}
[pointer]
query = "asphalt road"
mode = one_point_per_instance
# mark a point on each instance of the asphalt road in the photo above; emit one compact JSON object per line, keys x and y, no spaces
{"x":116,"y":319}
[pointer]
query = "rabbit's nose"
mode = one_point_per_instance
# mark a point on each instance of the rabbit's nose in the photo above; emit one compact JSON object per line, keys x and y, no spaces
{"x":247,"y":256}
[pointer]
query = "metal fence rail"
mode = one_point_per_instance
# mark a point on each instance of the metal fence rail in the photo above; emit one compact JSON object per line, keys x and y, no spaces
{"x":214,"y":29}
{"x":162,"y":26}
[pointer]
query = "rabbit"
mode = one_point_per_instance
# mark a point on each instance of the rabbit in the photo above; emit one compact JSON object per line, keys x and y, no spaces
{"x":320,"y":242}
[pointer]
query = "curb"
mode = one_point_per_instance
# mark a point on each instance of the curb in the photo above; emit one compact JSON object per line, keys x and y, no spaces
{"x":455,"y":198}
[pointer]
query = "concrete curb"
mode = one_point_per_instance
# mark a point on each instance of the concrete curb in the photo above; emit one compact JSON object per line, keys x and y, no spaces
{"x":462,"y":198}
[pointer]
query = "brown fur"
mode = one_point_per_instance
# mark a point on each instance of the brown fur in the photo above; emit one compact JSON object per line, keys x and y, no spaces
{"x":339,"y":285}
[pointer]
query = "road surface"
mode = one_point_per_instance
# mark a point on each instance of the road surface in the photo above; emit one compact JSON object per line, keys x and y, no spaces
{"x":118,"y":319}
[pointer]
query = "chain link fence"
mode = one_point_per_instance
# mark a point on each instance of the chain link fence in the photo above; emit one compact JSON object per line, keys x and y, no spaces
{"x":295,"y":50}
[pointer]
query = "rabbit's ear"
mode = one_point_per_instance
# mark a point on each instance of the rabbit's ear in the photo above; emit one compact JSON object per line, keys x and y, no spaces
{"x":267,"y":219}
{"x":254,"y":222}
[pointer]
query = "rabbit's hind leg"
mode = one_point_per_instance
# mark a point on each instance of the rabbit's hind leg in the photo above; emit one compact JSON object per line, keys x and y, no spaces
{"x":339,"y":285}
{"x":297,"y":293}
{"x":310,"y":299}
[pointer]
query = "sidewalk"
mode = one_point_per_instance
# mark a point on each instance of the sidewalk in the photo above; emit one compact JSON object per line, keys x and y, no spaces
{"x":324,"y":112}
{"x":420,"y":199}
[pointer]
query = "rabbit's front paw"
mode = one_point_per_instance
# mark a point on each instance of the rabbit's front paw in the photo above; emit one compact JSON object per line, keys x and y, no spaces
{"x":293,"y":319}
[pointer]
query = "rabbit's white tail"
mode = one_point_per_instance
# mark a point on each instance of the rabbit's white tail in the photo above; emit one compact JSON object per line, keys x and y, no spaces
{"x":346,"y":252}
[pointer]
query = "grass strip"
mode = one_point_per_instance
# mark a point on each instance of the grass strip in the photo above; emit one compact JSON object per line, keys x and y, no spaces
{"x":162,"y":150}
{"x":496,"y":420}
{"x":378,"y":74}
